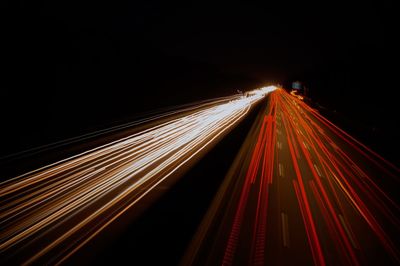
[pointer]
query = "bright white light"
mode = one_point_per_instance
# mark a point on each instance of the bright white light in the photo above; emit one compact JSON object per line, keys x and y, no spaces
{"x":262,"y":91}
{"x":87,"y":187}
{"x":268,"y":89}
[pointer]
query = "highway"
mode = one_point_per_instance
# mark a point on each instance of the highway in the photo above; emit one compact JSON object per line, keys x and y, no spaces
{"x":301,"y":192}
{"x":48,"y":214}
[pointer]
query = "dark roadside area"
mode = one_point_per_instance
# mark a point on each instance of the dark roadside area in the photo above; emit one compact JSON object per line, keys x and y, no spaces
{"x":377,"y":131}
{"x":360,"y":96}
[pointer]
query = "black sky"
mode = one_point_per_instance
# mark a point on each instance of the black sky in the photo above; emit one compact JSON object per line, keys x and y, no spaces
{"x":74,"y":65}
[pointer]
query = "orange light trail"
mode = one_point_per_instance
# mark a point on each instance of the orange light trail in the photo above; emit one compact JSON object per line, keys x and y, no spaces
{"x":48,"y":214}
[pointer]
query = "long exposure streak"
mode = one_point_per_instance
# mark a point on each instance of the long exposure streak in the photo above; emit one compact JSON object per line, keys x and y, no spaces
{"x":301,"y":192}
{"x":50,"y":213}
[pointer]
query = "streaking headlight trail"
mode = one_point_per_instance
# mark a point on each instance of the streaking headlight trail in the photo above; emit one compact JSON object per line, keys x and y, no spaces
{"x":48,"y":214}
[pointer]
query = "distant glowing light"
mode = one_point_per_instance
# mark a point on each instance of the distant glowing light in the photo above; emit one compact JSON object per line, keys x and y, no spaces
{"x":263,"y":91}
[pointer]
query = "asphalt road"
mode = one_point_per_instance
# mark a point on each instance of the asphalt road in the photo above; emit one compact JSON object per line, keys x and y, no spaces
{"x":301,"y":192}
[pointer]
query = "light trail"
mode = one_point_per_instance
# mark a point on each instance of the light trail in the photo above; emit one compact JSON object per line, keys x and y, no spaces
{"x":48,"y":214}
{"x":317,"y":198}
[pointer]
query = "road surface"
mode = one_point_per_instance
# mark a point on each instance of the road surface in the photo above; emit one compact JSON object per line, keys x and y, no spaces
{"x":301,"y":192}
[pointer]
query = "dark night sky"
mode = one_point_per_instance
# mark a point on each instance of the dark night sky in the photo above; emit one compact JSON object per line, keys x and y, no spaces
{"x":72,"y":66}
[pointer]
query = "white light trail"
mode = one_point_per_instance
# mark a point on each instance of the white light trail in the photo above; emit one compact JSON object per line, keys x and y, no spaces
{"x":65,"y":204}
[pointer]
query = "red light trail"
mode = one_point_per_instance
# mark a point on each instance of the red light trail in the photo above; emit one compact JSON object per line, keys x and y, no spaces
{"x":300,"y":179}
